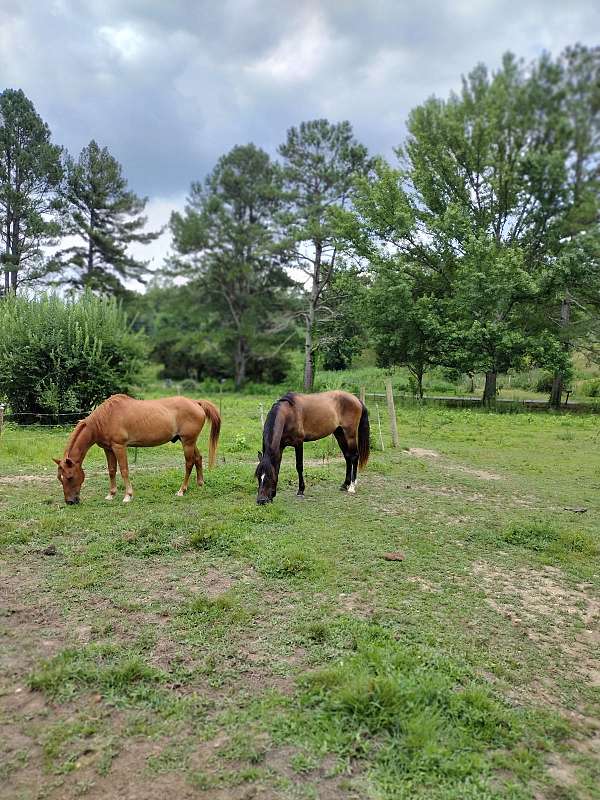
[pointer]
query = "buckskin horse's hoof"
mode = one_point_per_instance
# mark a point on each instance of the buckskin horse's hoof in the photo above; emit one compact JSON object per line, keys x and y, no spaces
{"x":300,"y":496}
{"x":343,"y":488}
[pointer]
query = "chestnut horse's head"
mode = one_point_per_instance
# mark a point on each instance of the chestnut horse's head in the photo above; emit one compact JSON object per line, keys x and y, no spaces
{"x":266,"y":474}
{"x":72,"y":476}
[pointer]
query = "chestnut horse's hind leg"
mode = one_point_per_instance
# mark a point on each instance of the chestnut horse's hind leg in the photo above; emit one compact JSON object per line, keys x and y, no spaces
{"x":120,"y":451}
{"x":341,"y":440}
{"x":112,"y":474}
{"x":199,"y":473}
{"x":189,"y":451}
{"x":300,"y":468}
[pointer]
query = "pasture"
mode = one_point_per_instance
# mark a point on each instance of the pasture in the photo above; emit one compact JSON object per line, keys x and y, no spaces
{"x":205,"y":647}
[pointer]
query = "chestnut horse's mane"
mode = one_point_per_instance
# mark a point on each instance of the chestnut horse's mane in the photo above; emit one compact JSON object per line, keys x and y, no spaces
{"x":95,"y":419}
{"x":99,"y":415}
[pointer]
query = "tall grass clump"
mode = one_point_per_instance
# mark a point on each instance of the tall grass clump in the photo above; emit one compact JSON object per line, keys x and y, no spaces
{"x":60,"y":355}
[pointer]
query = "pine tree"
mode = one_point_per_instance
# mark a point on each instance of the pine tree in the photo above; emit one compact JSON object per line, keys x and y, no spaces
{"x":105,"y":217}
{"x":30,"y":174}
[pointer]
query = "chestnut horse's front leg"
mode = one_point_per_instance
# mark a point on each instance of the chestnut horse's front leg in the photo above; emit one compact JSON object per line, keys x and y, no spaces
{"x":112,"y":473}
{"x":120,"y":452}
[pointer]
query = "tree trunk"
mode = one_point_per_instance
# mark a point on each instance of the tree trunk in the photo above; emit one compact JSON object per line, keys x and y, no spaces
{"x":489,"y":390}
{"x":15,"y":253}
{"x":557,"y":390}
{"x":558,"y":382}
{"x":309,"y":354}
{"x":240,"y":362}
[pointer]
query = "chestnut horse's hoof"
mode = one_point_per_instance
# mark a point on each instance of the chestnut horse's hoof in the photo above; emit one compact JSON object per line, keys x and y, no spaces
{"x":110,"y":497}
{"x":128,"y":498}
{"x":180,"y":493}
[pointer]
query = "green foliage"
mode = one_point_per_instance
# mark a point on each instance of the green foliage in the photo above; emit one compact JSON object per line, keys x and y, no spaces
{"x":428,"y":725}
{"x":229,"y":246}
{"x":321,"y":160}
{"x":65,"y":356}
{"x":30,"y":175}
{"x":109,"y":669}
{"x":543,"y":536}
{"x":106,"y":218}
{"x":342,"y":332}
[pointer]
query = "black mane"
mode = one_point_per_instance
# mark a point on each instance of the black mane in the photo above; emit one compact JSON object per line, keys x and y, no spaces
{"x":269,"y":428}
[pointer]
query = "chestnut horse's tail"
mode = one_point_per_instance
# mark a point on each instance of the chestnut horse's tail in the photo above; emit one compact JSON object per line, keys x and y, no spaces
{"x":364,"y":438}
{"x":212,"y":412}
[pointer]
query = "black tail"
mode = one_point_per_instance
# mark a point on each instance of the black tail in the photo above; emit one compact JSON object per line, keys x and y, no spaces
{"x":364,"y":438}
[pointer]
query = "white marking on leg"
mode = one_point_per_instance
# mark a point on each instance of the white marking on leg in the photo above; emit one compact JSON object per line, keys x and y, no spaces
{"x":352,"y":488}
{"x":128,"y":498}
{"x":109,"y":497}
{"x":180,"y":493}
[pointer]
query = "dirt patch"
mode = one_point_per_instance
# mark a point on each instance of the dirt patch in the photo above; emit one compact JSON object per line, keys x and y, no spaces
{"x":423,"y":584}
{"x":15,"y":480}
{"x":552,"y":614}
{"x":482,"y":474}
{"x":419,"y":452}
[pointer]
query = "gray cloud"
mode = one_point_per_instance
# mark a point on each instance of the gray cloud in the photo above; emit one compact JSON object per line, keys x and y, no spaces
{"x":170,"y":86}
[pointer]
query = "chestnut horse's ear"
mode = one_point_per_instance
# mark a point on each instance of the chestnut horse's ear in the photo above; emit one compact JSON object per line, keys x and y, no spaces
{"x":68,"y":462}
{"x":259,"y":455}
{"x":56,"y":461}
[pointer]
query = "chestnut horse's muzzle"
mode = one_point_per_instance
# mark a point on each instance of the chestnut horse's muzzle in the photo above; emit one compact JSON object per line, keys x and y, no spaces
{"x":74,"y":502}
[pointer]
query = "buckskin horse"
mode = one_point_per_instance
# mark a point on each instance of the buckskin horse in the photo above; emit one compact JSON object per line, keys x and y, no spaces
{"x":121,"y":422}
{"x":298,"y":418}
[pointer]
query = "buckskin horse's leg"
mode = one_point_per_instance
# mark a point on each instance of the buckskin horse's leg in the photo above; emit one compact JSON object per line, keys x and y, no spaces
{"x":352,"y":461}
{"x":120,"y":451}
{"x":341,"y":440}
{"x":190,"y":459}
{"x":300,"y":468}
{"x":112,"y":473}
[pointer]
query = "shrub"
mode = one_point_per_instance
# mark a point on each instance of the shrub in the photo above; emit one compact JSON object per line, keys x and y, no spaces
{"x":544,"y":383}
{"x":189,"y":385}
{"x":591,"y":388}
{"x":61,"y":355}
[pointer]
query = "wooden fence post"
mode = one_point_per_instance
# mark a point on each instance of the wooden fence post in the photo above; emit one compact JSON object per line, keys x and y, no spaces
{"x":362,"y":394}
{"x":262,"y":415}
{"x":1,"y":417}
{"x":392,"y":412}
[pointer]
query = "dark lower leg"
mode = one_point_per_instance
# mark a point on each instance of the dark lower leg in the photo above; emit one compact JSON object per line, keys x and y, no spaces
{"x":300,"y":469}
{"x":341,"y":440}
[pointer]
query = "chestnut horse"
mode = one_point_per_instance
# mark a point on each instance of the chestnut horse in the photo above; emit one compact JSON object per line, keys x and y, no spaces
{"x":298,"y":418}
{"x":121,"y":421}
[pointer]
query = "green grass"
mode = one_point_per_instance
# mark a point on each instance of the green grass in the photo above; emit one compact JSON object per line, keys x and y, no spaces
{"x":208,"y":643}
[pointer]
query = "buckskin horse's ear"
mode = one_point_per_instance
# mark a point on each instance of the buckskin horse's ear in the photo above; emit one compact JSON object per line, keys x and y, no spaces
{"x":56,"y":461}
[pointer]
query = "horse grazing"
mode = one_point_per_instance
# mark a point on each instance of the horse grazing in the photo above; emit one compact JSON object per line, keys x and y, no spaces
{"x":298,"y":418}
{"x":121,"y":421}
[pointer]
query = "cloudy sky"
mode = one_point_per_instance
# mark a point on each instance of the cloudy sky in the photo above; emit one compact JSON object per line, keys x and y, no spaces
{"x":169,"y":85}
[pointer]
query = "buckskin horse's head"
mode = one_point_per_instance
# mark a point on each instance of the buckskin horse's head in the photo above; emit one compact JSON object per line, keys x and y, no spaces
{"x":72,"y":476}
{"x":266,"y":475}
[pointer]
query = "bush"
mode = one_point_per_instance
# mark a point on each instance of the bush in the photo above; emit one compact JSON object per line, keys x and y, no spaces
{"x":544,"y":383}
{"x":189,"y":385}
{"x":61,"y":355}
{"x":591,"y":388}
